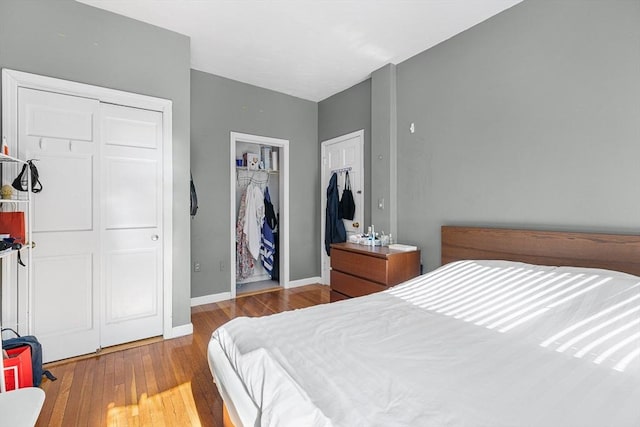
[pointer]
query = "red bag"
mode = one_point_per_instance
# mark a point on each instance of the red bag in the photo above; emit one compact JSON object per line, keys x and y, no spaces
{"x":12,"y":223}
{"x":18,"y":364}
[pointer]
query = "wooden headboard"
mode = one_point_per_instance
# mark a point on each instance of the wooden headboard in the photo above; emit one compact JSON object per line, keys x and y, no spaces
{"x":611,"y":251}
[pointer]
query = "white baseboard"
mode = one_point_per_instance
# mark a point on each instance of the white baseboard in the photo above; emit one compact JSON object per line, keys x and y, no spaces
{"x":180,"y":331}
{"x":208,"y":299}
{"x":304,"y":282}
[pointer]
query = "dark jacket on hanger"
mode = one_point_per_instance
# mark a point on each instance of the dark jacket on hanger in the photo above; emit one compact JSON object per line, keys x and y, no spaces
{"x":334,"y":227}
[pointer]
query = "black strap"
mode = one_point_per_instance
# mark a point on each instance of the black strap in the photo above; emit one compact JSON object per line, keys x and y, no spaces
{"x":347,"y":181}
{"x":193,"y":209}
{"x":20,"y":183}
{"x":20,"y":260}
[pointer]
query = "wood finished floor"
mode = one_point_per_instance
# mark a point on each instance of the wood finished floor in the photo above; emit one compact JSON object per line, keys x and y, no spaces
{"x":166,"y":383}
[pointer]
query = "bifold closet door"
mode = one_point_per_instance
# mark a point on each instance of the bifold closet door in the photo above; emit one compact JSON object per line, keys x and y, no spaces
{"x":131,"y":224}
{"x":97,"y":278}
{"x":61,"y":132}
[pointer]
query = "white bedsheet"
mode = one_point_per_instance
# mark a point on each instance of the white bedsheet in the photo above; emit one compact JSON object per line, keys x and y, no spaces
{"x":475,"y":343}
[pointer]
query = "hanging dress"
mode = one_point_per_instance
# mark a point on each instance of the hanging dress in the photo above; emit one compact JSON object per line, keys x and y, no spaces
{"x":244,"y":261}
{"x":254,"y":218}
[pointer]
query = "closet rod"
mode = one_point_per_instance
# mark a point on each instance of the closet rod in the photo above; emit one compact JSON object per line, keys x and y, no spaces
{"x":246,"y":177}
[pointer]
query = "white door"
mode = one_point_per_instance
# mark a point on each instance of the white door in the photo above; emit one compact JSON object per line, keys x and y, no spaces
{"x":342,"y":154}
{"x":131,"y":224}
{"x":61,"y":132}
{"x":97,"y":278}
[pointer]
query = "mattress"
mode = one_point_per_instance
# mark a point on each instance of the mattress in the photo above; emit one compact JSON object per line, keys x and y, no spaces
{"x":474,"y":343}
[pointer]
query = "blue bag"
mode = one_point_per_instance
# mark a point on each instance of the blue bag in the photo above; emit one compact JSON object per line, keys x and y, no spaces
{"x":36,"y":355}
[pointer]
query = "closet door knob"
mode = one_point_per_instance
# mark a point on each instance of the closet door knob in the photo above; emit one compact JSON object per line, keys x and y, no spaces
{"x":155,"y":237}
{"x":356,"y":225}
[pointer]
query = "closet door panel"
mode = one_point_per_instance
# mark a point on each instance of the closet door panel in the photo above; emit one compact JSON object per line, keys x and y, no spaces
{"x":128,"y":287}
{"x":132,"y":219}
{"x":62,"y":275}
{"x":68,"y":185}
{"x":131,"y":191}
{"x":60,"y":131}
{"x":68,"y":120}
{"x":138,"y":130}
{"x":63,"y":326}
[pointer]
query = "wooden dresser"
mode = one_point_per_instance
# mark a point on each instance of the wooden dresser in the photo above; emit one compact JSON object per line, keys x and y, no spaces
{"x":358,"y":270}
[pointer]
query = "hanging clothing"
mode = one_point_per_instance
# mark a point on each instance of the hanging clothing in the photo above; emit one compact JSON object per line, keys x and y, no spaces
{"x":193,"y":206}
{"x":268,"y":249}
{"x":334,"y":227}
{"x":254,"y":218}
{"x":275,"y":272}
{"x":347,"y":206}
{"x":244,"y":260}
{"x":270,"y":216}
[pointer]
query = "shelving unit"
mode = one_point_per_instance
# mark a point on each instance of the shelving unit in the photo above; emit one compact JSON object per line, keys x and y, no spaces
{"x":22,"y":201}
{"x":20,"y":407}
{"x":14,"y":300}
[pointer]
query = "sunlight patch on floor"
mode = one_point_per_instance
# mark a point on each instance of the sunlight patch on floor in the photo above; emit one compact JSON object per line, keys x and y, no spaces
{"x":175,"y":406}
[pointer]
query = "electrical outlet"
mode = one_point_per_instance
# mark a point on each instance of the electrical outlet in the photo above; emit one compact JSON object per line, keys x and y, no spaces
{"x":196,"y":267}
{"x":222,"y":265}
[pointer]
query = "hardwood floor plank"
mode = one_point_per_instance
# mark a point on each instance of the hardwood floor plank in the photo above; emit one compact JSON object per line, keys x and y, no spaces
{"x":115,"y":405}
{"x":154,"y":403}
{"x":200,"y":376}
{"x":163,"y":382}
{"x":59,"y":391}
{"x":96,"y":410}
{"x":72,"y":409}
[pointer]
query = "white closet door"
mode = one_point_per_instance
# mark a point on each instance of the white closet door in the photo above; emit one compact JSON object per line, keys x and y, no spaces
{"x":347,"y":153}
{"x":61,"y":131}
{"x":131,"y":224}
{"x":340,"y":153}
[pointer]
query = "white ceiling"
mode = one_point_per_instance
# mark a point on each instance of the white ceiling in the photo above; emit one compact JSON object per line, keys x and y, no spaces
{"x":311,"y":49}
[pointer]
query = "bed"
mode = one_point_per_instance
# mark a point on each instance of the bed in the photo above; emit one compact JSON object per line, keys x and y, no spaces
{"x":517,"y":328}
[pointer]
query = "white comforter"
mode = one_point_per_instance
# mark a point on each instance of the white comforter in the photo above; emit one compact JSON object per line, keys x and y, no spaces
{"x":474,"y":343}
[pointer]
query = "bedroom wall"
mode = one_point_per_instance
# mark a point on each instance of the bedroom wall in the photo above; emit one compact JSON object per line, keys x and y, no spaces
{"x":345,"y":112}
{"x":384,"y":150}
{"x":529,"y":119}
{"x":219,"y":106}
{"x":73,"y":41}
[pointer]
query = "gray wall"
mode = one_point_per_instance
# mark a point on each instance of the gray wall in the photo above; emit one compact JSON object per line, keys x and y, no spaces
{"x":72,"y":41}
{"x":219,"y":106}
{"x":530,"y":119}
{"x":384,"y":149}
{"x":345,"y":112}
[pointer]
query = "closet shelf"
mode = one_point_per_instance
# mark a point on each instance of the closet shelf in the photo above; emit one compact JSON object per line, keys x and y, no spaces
{"x":7,"y":252}
{"x":8,"y":159}
{"x":14,"y":201}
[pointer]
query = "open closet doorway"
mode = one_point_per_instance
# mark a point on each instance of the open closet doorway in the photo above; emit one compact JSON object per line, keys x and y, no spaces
{"x":259,"y":168}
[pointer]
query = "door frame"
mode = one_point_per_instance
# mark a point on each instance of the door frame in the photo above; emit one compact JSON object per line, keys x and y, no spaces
{"x":283,"y":182}
{"x":324,"y":179}
{"x":12,"y":80}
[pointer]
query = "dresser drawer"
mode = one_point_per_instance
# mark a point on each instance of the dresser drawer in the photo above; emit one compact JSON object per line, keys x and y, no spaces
{"x":353,"y":286}
{"x":364,"y":266}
